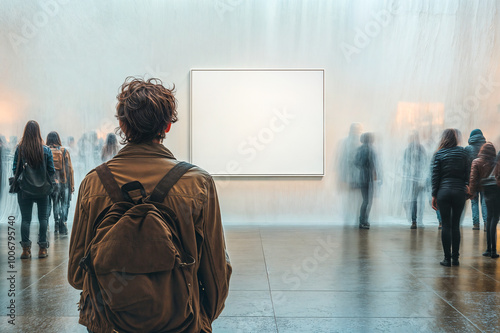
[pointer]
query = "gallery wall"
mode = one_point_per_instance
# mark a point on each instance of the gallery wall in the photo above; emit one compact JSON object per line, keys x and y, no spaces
{"x":394,"y":66}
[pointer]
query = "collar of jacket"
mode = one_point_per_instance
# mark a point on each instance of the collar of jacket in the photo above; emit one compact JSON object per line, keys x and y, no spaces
{"x":144,"y":150}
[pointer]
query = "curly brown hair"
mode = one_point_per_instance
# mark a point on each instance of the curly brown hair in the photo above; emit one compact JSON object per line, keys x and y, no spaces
{"x":145,"y":108}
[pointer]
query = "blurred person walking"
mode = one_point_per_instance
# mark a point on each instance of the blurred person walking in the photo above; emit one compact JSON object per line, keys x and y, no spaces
{"x":366,"y":161}
{"x":348,"y":173}
{"x":110,"y":148}
{"x":476,"y":141}
{"x":64,"y":183}
{"x":483,"y":178}
{"x":414,"y":176}
{"x":33,"y":181}
{"x":450,"y":176}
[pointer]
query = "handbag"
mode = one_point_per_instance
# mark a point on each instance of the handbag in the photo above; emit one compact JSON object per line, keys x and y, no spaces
{"x":490,"y":180}
{"x":35,"y":183}
{"x":14,"y":181}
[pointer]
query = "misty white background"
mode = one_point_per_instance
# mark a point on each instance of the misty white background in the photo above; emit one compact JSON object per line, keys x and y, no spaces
{"x":61,"y":63}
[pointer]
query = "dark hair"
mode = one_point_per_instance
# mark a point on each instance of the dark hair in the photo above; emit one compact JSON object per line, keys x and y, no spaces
{"x":110,"y":148}
{"x":366,"y":138}
{"x":145,"y":108}
{"x":31,"y":144}
{"x":448,"y":139}
{"x":488,"y":153}
{"x":53,"y":139}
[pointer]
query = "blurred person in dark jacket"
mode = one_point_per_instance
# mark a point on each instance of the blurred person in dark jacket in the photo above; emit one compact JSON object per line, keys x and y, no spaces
{"x":482,"y":178}
{"x":450,"y":177}
{"x":348,"y":173}
{"x":366,"y":162}
{"x":476,"y":141}
{"x":414,"y":175}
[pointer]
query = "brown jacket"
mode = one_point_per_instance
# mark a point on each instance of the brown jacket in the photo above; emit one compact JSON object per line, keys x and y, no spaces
{"x":194,"y":201}
{"x":480,"y":169}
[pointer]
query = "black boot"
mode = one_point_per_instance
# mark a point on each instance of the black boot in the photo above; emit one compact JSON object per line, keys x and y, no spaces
{"x":56,"y":229}
{"x":63,"y":228}
{"x":445,"y":262}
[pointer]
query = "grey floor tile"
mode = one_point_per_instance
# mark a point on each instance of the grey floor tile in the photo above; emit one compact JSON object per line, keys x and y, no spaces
{"x":248,"y":304}
{"x":244,"y":325}
{"x":363,"y":325}
{"x":360,"y":304}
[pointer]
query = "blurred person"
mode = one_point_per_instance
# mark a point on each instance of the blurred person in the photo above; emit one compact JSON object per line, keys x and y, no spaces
{"x":482,"y":178}
{"x":71,"y":146}
{"x":2,"y":158}
{"x":450,"y":177}
{"x":348,"y":173}
{"x":431,"y":145}
{"x":110,"y":148}
{"x":366,"y":161}
{"x":89,"y":151}
{"x":476,"y":141}
{"x":189,"y":293}
{"x":414,"y":172}
{"x":64,"y":183}
{"x":34,"y":171}
{"x":12,"y":143}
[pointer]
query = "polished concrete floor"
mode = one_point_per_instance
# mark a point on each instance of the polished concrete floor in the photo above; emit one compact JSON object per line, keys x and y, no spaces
{"x":303,"y":279}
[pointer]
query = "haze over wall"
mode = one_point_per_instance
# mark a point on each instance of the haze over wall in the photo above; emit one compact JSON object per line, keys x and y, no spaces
{"x":394,"y":66}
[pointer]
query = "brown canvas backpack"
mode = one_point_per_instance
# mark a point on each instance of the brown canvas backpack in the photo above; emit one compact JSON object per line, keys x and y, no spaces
{"x":59,"y":156}
{"x":136,"y":258}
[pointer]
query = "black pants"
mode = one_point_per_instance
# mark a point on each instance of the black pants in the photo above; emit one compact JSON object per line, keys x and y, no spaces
{"x":451,"y":205}
{"x":60,"y":204}
{"x":364,"y":212}
{"x":492,"y":199}
{"x":26,"y":206}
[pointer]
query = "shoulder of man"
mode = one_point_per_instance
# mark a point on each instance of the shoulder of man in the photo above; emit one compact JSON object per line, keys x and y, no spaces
{"x":91,"y":185}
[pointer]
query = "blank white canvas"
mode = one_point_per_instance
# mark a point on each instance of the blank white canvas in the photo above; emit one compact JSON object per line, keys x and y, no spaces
{"x":258,"y":122}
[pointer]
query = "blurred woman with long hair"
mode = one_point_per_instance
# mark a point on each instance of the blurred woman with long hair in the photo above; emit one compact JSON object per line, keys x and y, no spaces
{"x":34,"y":170}
{"x":450,"y":176}
{"x":64,"y":183}
{"x":482,"y":178}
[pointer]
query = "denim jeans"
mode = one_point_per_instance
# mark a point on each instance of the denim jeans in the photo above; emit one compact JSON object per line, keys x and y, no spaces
{"x":367,"y":194}
{"x":474,"y":203}
{"x":26,"y":207}
{"x":412,"y":206}
{"x":60,"y":204}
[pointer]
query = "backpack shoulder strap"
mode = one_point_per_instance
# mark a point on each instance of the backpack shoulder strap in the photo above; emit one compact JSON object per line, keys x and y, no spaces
{"x":109,"y":183}
{"x":168,"y":181}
